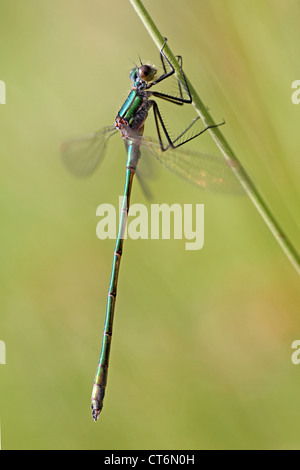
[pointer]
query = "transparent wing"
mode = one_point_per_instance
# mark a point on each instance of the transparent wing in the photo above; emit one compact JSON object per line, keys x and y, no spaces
{"x":82,"y":156}
{"x":144,"y":186}
{"x":206,"y":171}
{"x":146,"y":172}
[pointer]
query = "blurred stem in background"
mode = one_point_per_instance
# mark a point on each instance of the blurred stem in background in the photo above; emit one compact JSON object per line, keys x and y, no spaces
{"x":221,"y":142}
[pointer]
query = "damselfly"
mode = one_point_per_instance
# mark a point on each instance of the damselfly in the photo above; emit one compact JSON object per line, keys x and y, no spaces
{"x":83,"y":155}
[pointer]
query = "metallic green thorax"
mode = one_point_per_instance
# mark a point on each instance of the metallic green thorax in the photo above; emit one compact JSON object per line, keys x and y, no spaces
{"x":131,"y":106}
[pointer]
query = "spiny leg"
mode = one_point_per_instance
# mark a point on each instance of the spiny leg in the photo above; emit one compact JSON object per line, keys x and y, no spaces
{"x":159,"y":122}
{"x":165,"y":74}
{"x":168,"y":74}
{"x":179,"y":60}
{"x":172,"y":143}
{"x":211,"y":126}
{"x":173,"y":99}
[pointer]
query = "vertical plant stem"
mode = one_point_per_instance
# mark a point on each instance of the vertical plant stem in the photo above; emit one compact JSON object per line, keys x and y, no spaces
{"x":221,"y":142}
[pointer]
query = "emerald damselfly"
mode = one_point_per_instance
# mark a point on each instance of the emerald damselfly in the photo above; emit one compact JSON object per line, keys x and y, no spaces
{"x":83,"y":155}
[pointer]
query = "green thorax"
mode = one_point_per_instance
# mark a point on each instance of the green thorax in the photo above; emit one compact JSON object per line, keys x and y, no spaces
{"x":131,"y":106}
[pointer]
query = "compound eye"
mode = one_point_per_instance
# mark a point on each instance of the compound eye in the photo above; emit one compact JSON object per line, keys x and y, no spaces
{"x":147,"y":73}
{"x":134,"y":73}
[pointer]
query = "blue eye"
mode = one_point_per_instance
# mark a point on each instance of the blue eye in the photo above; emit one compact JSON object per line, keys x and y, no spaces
{"x":134,"y":74}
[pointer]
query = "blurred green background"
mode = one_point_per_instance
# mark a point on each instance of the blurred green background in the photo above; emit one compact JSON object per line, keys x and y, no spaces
{"x":201,"y":351}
